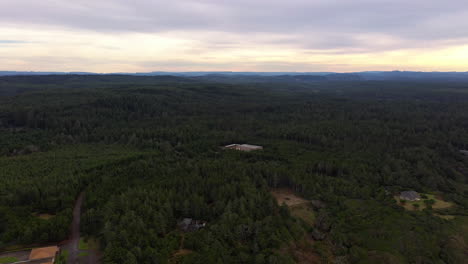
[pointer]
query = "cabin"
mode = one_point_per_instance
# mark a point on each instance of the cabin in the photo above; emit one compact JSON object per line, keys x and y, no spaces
{"x":47,"y":254}
{"x":243,"y":147}
{"x":464,"y":152}
{"x":410,"y":196}
{"x":189,"y":225}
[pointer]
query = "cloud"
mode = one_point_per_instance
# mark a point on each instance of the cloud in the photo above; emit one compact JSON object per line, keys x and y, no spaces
{"x":275,"y":31}
{"x":9,"y":41}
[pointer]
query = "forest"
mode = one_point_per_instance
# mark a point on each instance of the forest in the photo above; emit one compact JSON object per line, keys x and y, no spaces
{"x":147,"y":152}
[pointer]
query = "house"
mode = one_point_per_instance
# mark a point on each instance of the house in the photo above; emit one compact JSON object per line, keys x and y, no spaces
{"x":47,"y":254}
{"x":410,"y":196}
{"x":464,"y":152}
{"x":189,"y":225}
{"x":243,"y":147}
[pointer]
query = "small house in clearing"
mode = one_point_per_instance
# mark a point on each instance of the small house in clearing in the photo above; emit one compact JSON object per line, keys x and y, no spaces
{"x":410,"y":196}
{"x":189,"y":225}
{"x":243,"y":147}
{"x":464,"y":152}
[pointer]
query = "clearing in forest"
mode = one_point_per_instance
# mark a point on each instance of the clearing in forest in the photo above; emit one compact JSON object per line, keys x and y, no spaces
{"x":437,"y":203}
{"x":288,"y":197}
{"x":299,"y":207}
{"x":43,"y":216}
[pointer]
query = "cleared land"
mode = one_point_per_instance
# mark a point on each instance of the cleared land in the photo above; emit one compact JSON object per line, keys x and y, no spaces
{"x":304,"y":212}
{"x":44,"y":216}
{"x":420,"y":205}
{"x":288,"y":197}
{"x":299,"y":207}
{"x":183,"y":252}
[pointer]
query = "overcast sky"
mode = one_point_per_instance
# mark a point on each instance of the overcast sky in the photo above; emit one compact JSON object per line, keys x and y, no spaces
{"x":237,"y":35}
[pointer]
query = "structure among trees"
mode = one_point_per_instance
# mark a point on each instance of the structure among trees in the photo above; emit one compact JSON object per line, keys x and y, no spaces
{"x":410,"y":196}
{"x":243,"y":147}
{"x":189,"y":225}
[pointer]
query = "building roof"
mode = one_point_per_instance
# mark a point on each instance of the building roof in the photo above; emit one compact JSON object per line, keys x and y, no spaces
{"x":464,"y":151}
{"x":250,"y":146}
{"x":409,"y":195}
{"x":45,"y":252}
{"x":243,"y":147}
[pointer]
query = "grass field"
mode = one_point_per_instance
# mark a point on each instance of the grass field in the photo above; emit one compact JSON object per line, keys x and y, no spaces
{"x":420,"y":205}
{"x":8,"y":260}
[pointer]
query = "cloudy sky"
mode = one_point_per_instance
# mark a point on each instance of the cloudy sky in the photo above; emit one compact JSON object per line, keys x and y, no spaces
{"x":233,"y":35}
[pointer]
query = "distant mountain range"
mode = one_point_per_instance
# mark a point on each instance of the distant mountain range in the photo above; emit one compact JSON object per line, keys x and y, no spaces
{"x":283,"y":76}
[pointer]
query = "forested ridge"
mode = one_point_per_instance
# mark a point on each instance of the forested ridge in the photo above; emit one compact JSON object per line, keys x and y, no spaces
{"x":146,"y":150}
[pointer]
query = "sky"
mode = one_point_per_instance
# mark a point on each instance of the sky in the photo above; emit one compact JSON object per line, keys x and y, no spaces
{"x":233,"y":35}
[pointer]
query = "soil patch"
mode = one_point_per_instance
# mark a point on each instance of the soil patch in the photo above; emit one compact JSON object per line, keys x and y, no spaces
{"x":182,"y":252}
{"x":288,"y":197}
{"x":43,"y":216}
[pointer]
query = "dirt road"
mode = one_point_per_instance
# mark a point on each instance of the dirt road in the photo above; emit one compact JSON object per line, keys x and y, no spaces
{"x":89,"y":256}
{"x":74,"y":240}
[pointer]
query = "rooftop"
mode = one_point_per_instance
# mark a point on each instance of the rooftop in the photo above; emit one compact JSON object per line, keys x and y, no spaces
{"x":409,"y":195}
{"x":42,"y":253}
{"x":243,"y":147}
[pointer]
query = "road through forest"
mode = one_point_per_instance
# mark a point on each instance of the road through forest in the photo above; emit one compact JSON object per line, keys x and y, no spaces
{"x":72,"y":244}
